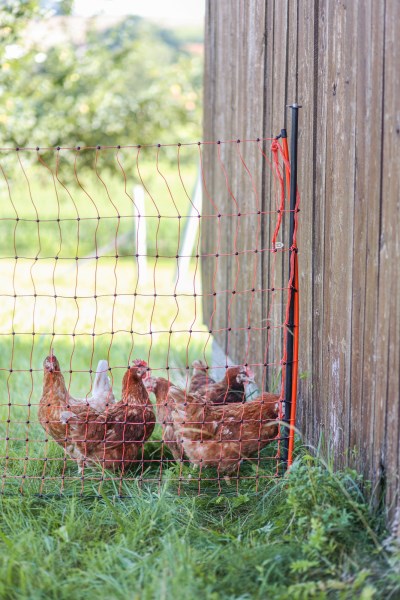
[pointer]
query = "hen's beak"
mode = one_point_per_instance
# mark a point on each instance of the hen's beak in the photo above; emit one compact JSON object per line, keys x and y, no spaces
{"x":250,"y":376}
{"x":144,"y":373}
{"x":149,"y":383}
{"x":142,"y":368}
{"x":246,"y":376}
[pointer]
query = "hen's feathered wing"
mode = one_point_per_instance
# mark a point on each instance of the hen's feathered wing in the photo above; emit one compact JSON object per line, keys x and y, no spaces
{"x":222,"y":436}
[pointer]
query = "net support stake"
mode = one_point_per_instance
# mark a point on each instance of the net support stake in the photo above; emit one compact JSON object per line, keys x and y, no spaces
{"x":290,"y":371}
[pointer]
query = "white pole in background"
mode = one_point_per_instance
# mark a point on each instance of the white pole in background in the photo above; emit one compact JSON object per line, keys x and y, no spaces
{"x":141,"y":233}
{"x":189,"y":241}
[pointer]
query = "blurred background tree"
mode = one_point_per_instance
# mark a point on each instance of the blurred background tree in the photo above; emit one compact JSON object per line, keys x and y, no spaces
{"x":126,"y":82}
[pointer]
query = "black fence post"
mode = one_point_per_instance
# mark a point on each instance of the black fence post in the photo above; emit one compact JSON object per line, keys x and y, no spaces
{"x":290,"y":325}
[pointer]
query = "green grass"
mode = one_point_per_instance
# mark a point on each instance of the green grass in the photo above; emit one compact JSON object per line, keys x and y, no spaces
{"x":308,"y":535}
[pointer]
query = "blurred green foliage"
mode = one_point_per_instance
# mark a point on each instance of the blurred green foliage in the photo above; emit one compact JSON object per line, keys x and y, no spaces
{"x":133,"y":82}
{"x":14,"y":15}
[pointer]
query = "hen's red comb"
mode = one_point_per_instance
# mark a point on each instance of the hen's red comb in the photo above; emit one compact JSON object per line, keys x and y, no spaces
{"x":139,"y":363}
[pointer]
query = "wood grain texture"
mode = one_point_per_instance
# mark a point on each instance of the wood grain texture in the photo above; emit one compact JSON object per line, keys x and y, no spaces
{"x":339,"y":187}
{"x":366,"y":207}
{"x":340,"y":61}
{"x":386,"y":443}
{"x":306,"y":81}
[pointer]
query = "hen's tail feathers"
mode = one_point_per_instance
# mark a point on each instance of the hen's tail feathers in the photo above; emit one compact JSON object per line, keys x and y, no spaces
{"x":199,"y":367}
{"x":102,"y":384}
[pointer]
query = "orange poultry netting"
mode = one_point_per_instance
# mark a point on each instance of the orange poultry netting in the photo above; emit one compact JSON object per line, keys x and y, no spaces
{"x":145,"y":297}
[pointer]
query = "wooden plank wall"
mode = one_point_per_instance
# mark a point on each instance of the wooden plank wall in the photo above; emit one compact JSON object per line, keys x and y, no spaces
{"x":341,"y":61}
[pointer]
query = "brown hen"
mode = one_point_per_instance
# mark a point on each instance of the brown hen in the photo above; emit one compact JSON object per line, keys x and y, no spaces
{"x":115,"y":437}
{"x":230,"y":389}
{"x":164,"y":406}
{"x":55,"y":399}
{"x":223,"y":436}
